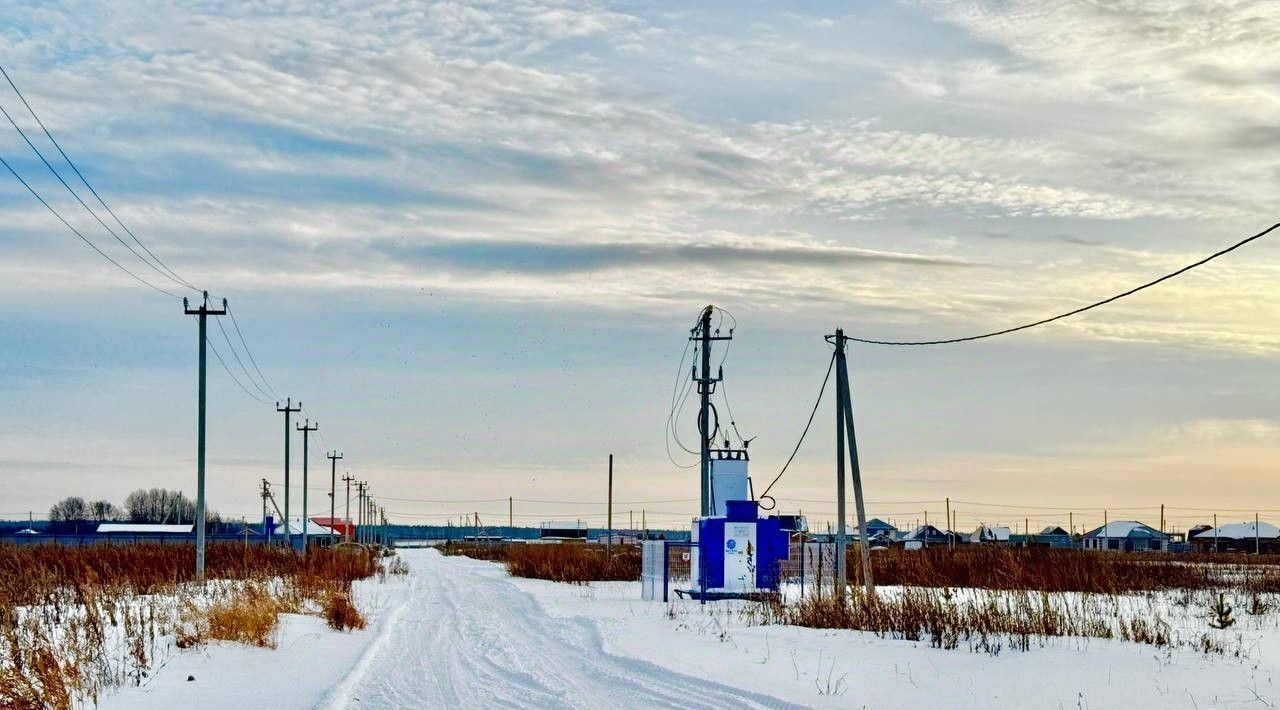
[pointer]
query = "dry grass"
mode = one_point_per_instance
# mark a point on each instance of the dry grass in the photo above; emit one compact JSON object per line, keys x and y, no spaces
{"x":1001,"y":567}
{"x":576,"y":563}
{"x":341,"y":614}
{"x":77,"y":621}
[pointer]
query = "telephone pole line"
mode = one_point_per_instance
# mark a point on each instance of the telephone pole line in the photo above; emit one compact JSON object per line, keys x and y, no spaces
{"x":288,"y":409}
{"x":706,"y":387}
{"x":203,"y":313}
{"x":306,"y":430}
{"x":333,"y":484}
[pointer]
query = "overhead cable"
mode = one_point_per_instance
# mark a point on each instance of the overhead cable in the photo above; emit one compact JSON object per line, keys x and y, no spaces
{"x":1080,"y":310}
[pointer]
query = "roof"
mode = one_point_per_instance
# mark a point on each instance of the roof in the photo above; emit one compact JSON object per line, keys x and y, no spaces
{"x":990,"y":533}
{"x":1126,"y":529}
{"x":145,"y":528}
{"x":1240,"y":531}
{"x":1053,"y":530}
{"x":924,"y":531}
{"x":878,"y":524}
{"x":27,"y":531}
{"x":295,"y":528}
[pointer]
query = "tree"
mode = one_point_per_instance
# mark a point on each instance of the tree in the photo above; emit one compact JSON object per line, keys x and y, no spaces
{"x":102,"y":510}
{"x":159,"y":505}
{"x":70,"y":508}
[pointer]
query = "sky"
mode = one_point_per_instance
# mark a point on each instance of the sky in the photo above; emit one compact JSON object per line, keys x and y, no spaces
{"x":471,"y":238}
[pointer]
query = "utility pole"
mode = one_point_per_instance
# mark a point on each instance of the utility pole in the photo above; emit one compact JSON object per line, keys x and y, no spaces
{"x":333,"y":484}
{"x":609,"y":541}
{"x":266,"y":493}
{"x":846,"y":408}
{"x":360,"y":488}
{"x":306,"y":430}
{"x":951,"y":539}
{"x":1257,"y":539}
{"x":841,"y":573}
{"x":347,"y":478}
{"x":288,"y":409}
{"x":511,"y":512}
{"x":203,"y":313}
{"x":706,"y":387}
{"x":1162,"y":517}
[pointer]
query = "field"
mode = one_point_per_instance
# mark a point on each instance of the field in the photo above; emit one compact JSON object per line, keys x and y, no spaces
{"x":76,"y":622}
{"x":572,"y":562}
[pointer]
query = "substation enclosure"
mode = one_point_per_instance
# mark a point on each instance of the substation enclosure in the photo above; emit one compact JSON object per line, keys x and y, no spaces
{"x":728,"y":482}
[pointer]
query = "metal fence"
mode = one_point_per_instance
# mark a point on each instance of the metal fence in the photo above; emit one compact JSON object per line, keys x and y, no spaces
{"x":664,"y":563}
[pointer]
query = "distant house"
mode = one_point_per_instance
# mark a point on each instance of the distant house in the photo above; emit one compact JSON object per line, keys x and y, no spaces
{"x":1054,"y":530}
{"x":314,"y":528}
{"x":876,"y":528}
{"x":1126,"y":536}
{"x":990,"y":534}
{"x":1237,"y":537}
{"x":562,"y":530}
{"x":925,"y":536}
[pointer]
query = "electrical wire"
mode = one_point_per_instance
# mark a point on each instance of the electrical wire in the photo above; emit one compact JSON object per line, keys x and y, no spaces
{"x":174,"y":276}
{"x":83,"y":238}
{"x":240,"y":362}
{"x":773,"y":502}
{"x":1082,"y":309}
{"x":231,"y":374}
{"x":249,"y":352}
{"x":83,"y":204}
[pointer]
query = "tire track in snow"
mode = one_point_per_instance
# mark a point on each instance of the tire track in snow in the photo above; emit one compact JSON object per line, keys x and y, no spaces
{"x":468,"y":639}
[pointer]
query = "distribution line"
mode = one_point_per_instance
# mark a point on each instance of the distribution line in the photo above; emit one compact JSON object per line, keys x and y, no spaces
{"x":240,"y":362}
{"x":174,"y":276}
{"x":249,"y":352}
{"x":1082,"y":309}
{"x":83,"y":238}
{"x":231,"y":374}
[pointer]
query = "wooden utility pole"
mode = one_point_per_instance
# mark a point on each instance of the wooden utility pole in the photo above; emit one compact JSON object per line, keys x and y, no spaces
{"x":1257,"y":538}
{"x":306,"y":430}
{"x":951,"y":538}
{"x":1162,"y":517}
{"x":202,"y":313}
{"x":511,"y":512}
{"x":288,"y":410}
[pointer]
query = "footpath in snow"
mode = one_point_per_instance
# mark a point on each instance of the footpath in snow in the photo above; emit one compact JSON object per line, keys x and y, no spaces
{"x":460,"y":633}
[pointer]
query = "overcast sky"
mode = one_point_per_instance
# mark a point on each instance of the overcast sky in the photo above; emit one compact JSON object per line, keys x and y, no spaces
{"x":471,"y":238}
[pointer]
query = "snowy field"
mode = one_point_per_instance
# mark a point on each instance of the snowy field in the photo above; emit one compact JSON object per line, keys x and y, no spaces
{"x":460,"y":633}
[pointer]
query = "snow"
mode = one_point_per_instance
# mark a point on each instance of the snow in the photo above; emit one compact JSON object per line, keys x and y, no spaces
{"x":144,"y":528}
{"x":461,"y":633}
{"x":1125,"y":528}
{"x":1241,"y":531}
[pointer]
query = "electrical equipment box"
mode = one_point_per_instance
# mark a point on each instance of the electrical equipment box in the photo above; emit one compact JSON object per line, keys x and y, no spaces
{"x":737,"y":554}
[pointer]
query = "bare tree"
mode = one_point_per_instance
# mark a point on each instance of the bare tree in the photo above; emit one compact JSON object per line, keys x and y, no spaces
{"x":102,"y":510}
{"x":159,"y":505}
{"x":70,"y":508}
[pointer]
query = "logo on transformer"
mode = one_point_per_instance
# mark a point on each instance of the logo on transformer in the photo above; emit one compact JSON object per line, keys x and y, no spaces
{"x":731,"y":544}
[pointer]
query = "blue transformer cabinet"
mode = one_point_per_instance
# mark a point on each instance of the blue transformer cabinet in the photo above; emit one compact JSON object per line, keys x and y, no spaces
{"x":737,"y":554}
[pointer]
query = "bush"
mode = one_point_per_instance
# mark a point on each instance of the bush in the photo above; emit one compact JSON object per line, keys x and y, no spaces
{"x":341,"y":614}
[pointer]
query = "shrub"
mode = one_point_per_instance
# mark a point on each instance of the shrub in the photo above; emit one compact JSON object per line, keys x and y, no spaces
{"x":341,"y":614}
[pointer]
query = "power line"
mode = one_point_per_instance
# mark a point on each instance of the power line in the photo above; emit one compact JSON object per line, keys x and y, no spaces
{"x":231,"y":374}
{"x":249,"y":352}
{"x":83,"y":238}
{"x":171,"y":273}
{"x":243,"y":369}
{"x":803,"y":434}
{"x":1082,"y":309}
{"x":76,"y":195}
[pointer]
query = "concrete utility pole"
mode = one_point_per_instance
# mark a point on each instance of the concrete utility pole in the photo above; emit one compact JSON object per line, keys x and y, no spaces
{"x":846,"y":408}
{"x":706,"y":387}
{"x":511,"y":512}
{"x":842,"y":540}
{"x":333,"y":484}
{"x":609,"y":540}
{"x":288,"y":409}
{"x":306,"y":430}
{"x":202,"y":313}
{"x":360,"y":487}
{"x":347,"y":478}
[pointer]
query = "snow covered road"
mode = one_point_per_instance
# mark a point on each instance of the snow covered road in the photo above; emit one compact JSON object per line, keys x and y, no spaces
{"x":467,"y":637}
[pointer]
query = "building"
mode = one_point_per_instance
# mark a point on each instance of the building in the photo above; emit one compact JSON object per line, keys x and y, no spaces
{"x":927,"y":536}
{"x":314,"y":529}
{"x":1126,"y":536}
{"x":1238,"y":537}
{"x":562,"y":530}
{"x":990,"y":534}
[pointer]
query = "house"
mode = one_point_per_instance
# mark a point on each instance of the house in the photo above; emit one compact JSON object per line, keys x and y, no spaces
{"x":1054,"y":530}
{"x":1238,"y":537}
{"x":340,"y":526}
{"x":314,"y":529}
{"x":562,"y":530}
{"x":989,"y":534}
{"x":926,"y":536}
{"x":876,"y":528}
{"x":1126,"y":536}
